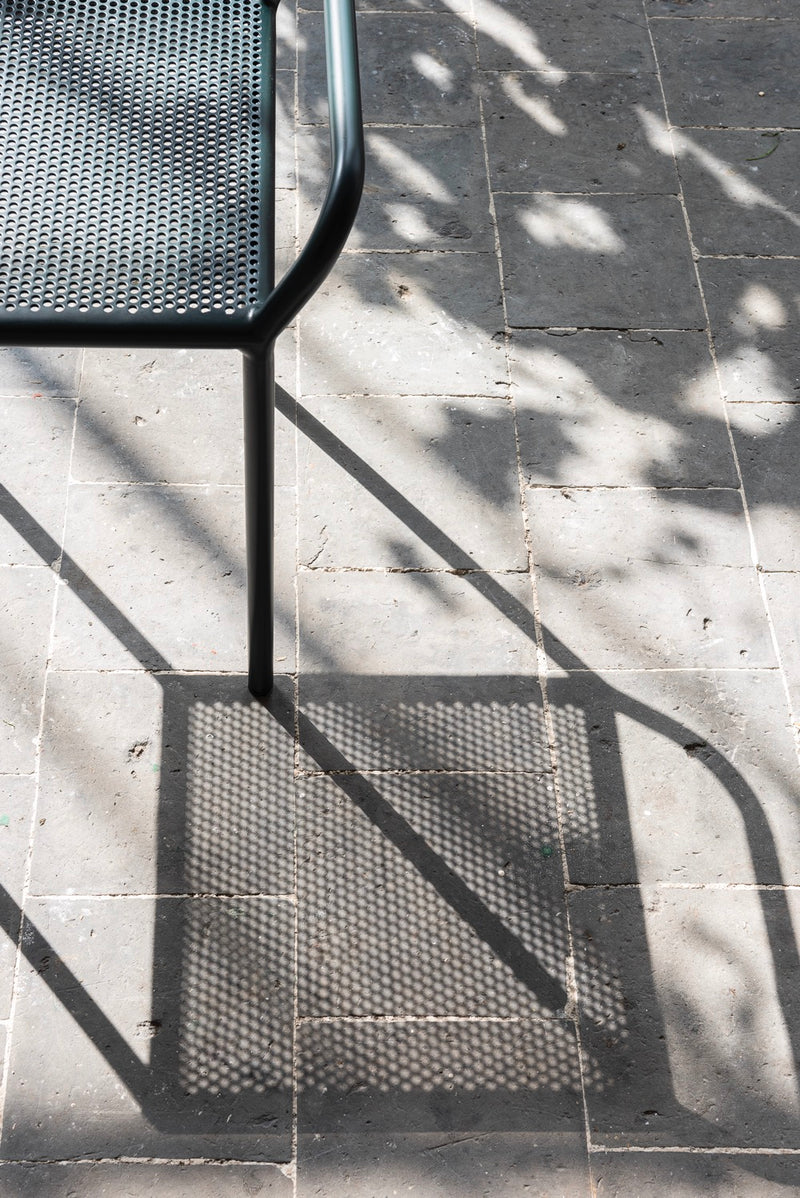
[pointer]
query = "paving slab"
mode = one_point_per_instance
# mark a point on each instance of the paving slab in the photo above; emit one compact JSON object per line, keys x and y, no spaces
{"x":410,"y":623}
{"x":27,"y":617}
{"x":719,"y":8}
{"x":416,"y":69}
{"x":17,"y":796}
{"x":35,"y":372}
{"x":170,"y":416}
{"x":35,"y":447}
{"x":686,"y":1174}
{"x":426,"y":723}
{"x":463,"y":7}
{"x":741,"y":190}
{"x":605,"y":409}
{"x":164,"y":585}
{"x":189,"y":1058}
{"x":644,"y":578}
{"x":751,"y":306}
{"x":285,"y":89}
{"x":586,"y":261}
{"x":687,"y":1002}
{"x":447,"y":465}
{"x":405,"y":324}
{"x":105,"y":1179}
{"x":429,"y":896}
{"x":426,"y":189}
{"x":729,"y":73}
{"x":169,"y":785}
{"x":767,"y":437}
{"x":783,"y":597}
{"x":676,"y":777}
{"x":570,"y":36}
{"x":440,"y":1108}
{"x":574,"y":133}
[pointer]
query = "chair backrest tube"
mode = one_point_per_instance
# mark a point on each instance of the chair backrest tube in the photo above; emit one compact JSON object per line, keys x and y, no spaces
{"x":346,"y":182}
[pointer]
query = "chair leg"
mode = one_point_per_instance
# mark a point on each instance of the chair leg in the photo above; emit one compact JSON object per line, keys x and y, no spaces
{"x":259,"y":454}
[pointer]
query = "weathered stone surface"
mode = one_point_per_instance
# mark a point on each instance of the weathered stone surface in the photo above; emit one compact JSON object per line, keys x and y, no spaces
{"x":405,"y":324}
{"x":108,"y":1179}
{"x":403,"y":485}
{"x":643,"y":578}
{"x":423,"y":896}
{"x":688,"y":1005}
{"x":729,"y":73}
{"x":168,"y":785}
{"x":575,"y":133}
{"x":416,"y":69}
{"x":741,"y":190}
{"x":687,"y":1174}
{"x":405,"y":624}
{"x":586,"y":261}
{"x":165,"y":583}
{"x":677,"y":777}
{"x":439,"y":1107}
{"x":562,"y":35}
{"x":601,"y":409}
{"x":153,"y":1028}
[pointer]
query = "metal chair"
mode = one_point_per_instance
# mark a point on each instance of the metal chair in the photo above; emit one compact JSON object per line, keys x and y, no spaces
{"x":137,"y":149}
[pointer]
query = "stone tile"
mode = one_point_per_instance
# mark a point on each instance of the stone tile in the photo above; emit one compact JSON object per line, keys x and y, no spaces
{"x":405,"y":324}
{"x":588,"y":261}
{"x":783,"y":597}
{"x":448,"y":723}
{"x":171,"y":416}
{"x":415,"y":623}
{"x":27,"y":617}
{"x":416,"y":69}
{"x":33,"y":372}
{"x":688,"y":1005}
{"x":430,"y":895}
{"x":426,"y":189}
{"x":35,"y":443}
{"x":752,"y":307}
{"x":641,"y":579}
{"x":286,"y":29}
{"x":425,"y":484}
{"x":285,"y":125}
{"x":358,"y":1081}
{"x":107,"y":1178}
{"x":165,"y":586}
{"x":562,"y":35}
{"x":688,"y":1174}
{"x":439,"y":1165}
{"x":720,"y":8}
{"x":153,"y":1029}
{"x":16,"y":813}
{"x":677,"y":777}
{"x":574,"y":133}
{"x":729,"y":73}
{"x":741,"y":190}
{"x":457,"y":6}
{"x":767,"y":439}
{"x":163,"y":785}
{"x":604,"y":409}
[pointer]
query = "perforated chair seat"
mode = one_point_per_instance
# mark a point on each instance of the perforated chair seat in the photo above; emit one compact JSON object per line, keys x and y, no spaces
{"x":135,"y":175}
{"x":137,"y":197}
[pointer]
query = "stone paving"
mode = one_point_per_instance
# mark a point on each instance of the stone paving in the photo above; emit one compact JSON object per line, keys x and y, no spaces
{"x":497,"y":895}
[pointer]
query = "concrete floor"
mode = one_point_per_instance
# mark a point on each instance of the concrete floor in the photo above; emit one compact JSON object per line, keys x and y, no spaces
{"x":498,"y":894}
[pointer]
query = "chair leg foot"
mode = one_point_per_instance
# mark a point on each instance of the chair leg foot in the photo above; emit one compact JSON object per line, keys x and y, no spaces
{"x":259,"y":454}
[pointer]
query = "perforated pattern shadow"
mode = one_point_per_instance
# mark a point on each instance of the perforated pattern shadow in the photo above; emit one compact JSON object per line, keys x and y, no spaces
{"x":141,"y":119}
